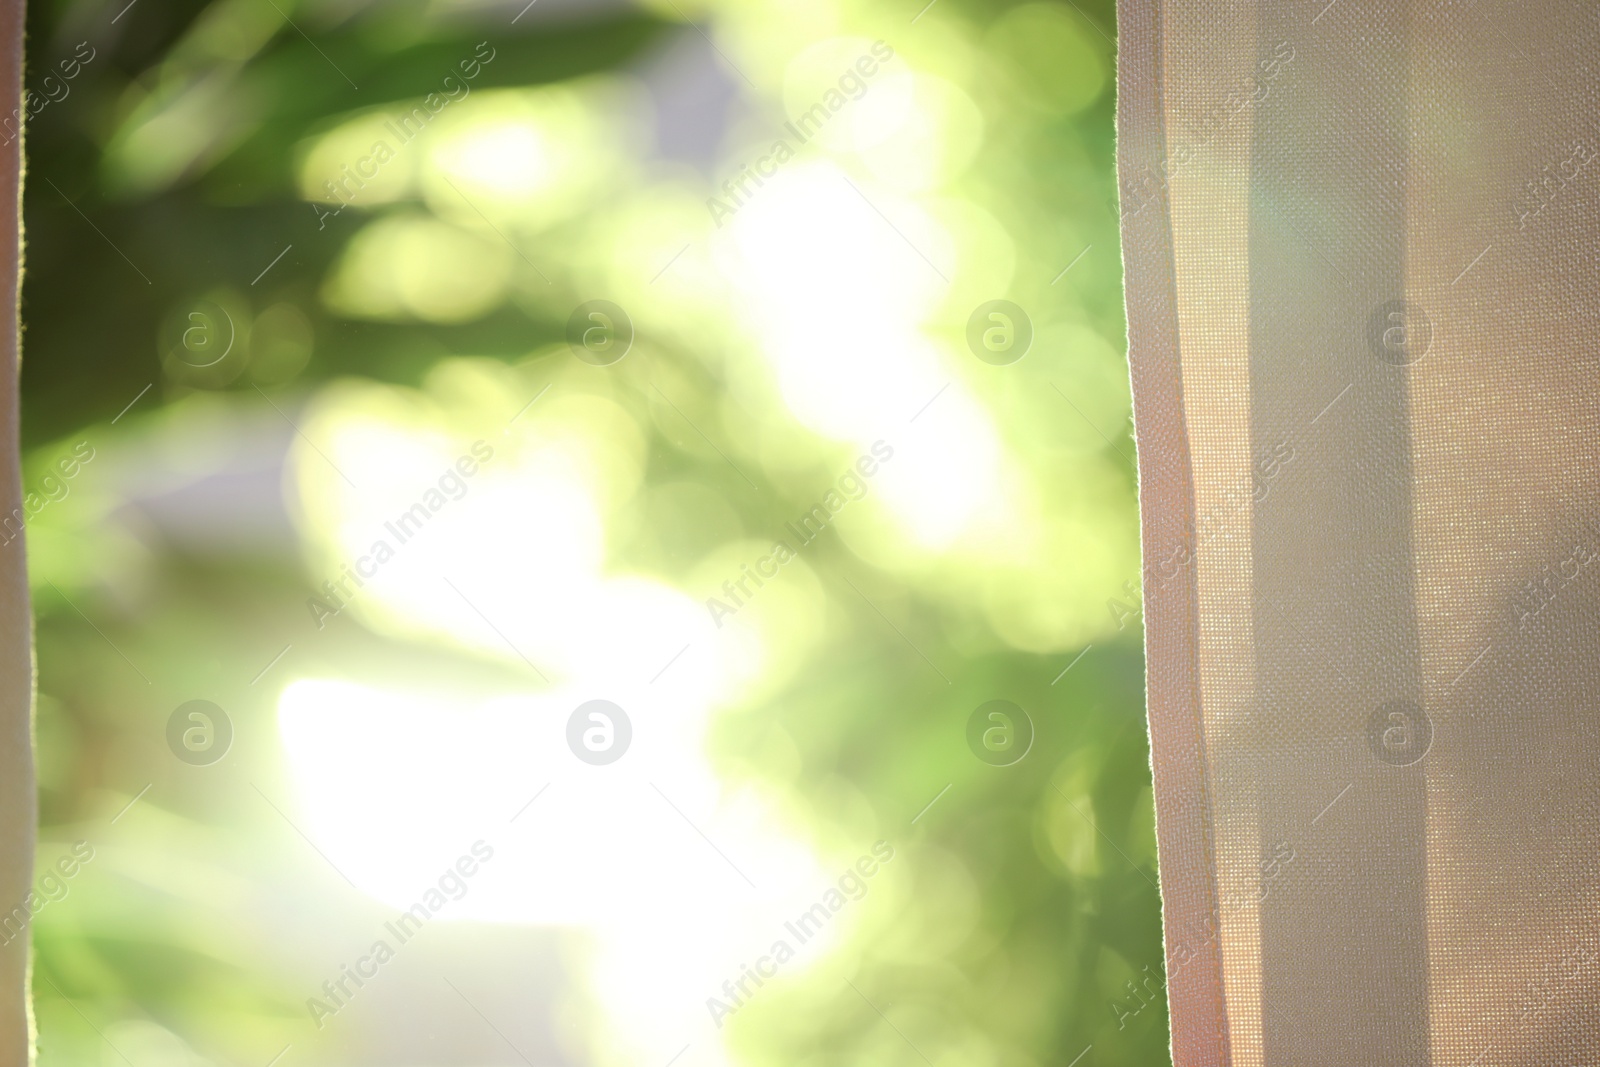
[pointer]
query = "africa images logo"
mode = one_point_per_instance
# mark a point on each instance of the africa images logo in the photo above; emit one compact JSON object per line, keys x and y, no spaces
{"x":453,"y":884}
{"x":847,"y":488}
{"x":853,"y":81}
{"x":406,"y":127}
{"x":337,"y":593}
{"x":851,"y":885}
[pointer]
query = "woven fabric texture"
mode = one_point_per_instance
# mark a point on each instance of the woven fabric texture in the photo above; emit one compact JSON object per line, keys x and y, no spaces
{"x":1360,"y":241}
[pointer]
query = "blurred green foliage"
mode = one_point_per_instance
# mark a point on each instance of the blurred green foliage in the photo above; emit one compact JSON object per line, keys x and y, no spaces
{"x":175,"y":168}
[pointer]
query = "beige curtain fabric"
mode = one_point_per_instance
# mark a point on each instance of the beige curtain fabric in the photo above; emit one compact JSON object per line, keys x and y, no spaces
{"x":18,"y":810}
{"x":1361,"y":254}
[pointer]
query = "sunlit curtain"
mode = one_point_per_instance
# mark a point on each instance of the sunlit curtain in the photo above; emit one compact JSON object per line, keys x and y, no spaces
{"x":1360,"y":244}
{"x":18,"y":811}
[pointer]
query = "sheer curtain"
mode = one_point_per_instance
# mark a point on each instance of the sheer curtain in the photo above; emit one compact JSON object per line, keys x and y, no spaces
{"x":18,"y":808}
{"x":1360,"y":249}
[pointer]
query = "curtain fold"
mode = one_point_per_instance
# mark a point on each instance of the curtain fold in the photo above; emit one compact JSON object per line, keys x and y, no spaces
{"x":1361,"y":272}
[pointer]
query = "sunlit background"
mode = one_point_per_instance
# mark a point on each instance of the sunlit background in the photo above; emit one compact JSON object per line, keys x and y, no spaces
{"x":309,"y":299}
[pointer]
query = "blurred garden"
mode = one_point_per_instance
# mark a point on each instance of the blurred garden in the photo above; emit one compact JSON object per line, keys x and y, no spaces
{"x":583,"y":532}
